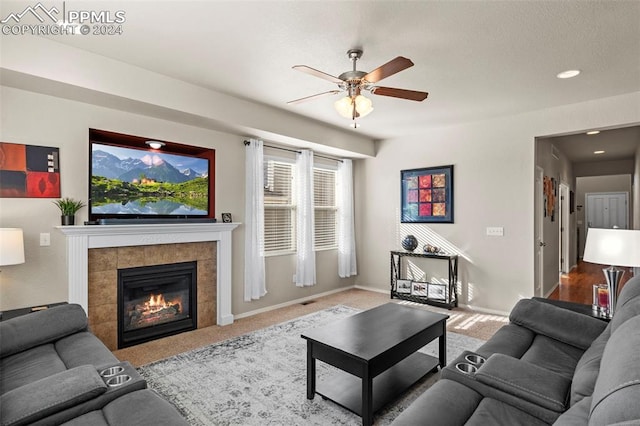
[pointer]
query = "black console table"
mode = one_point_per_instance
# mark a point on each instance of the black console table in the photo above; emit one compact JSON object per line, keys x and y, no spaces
{"x":438,"y":294}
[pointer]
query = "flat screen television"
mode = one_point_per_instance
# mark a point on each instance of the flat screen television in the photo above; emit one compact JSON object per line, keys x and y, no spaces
{"x":131,"y":182}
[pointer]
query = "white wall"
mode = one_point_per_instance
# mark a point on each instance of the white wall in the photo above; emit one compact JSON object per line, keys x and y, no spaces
{"x":494,"y":186}
{"x":30,"y":118}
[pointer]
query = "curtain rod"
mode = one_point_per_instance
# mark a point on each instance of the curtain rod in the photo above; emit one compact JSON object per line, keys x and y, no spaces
{"x":246,"y":142}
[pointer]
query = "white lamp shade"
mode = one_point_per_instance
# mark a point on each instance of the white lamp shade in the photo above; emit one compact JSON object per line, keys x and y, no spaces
{"x":11,"y":246}
{"x":617,"y":247}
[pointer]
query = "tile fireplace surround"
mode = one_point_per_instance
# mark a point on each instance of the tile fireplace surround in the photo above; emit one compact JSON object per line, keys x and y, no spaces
{"x":81,"y":239}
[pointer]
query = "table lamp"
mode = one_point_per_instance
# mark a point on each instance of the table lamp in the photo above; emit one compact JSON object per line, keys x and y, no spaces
{"x":11,"y":246}
{"x":615,"y":247}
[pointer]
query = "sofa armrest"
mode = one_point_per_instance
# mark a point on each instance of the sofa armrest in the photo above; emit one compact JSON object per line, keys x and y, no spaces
{"x":561,"y":324}
{"x":38,"y":328}
{"x":525,"y":380}
{"x":42,"y":398}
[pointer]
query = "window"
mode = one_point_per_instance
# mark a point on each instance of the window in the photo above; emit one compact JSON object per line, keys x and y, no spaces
{"x":280,"y":213}
{"x":324,"y":201}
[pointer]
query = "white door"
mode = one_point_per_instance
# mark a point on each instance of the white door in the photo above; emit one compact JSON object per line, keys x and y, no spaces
{"x":538,"y":239}
{"x":607,"y":210}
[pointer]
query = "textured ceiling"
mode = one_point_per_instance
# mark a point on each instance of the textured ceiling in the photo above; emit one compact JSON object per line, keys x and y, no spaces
{"x":477,"y":59}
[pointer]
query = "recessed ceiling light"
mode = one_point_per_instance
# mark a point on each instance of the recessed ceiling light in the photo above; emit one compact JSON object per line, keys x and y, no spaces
{"x":598,"y":152}
{"x":593,"y":132}
{"x":568,"y":74}
{"x":155,"y":144}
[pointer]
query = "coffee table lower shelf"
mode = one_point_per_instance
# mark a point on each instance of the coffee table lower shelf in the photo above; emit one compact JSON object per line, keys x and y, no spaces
{"x":346,"y":389}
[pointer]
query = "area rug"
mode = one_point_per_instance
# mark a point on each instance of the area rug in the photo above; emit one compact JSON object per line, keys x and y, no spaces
{"x":260,"y":378}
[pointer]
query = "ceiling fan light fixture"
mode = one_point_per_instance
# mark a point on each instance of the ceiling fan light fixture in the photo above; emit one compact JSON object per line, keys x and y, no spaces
{"x":345,"y":105}
{"x":363,"y":105}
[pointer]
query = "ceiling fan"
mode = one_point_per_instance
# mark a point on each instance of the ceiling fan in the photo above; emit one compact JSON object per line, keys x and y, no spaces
{"x":353,"y":82}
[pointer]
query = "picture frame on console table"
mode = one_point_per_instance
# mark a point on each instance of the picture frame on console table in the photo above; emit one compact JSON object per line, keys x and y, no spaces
{"x":403,"y":286}
{"x":427,"y":195}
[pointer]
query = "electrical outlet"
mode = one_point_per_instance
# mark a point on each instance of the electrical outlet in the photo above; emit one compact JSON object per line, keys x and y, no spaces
{"x":495,"y":231}
{"x":45,"y":239}
{"x":294,"y":278}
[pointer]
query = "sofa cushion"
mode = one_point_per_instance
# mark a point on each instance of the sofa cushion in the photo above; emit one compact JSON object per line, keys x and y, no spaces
{"x":446,"y":403}
{"x":496,"y":413}
{"x":37,"y":328}
{"x":140,"y":408}
{"x":29,"y":366}
{"x":57,"y":392}
{"x":84,"y":348}
{"x":553,"y":355}
{"x":510,"y":339}
{"x":557,"y":323}
{"x":577,"y":415}
{"x":617,"y":390}
{"x":449,"y":403}
{"x":588,"y":367}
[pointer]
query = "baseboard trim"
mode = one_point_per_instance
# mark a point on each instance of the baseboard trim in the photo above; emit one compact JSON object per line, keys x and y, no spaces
{"x":291,"y":302}
{"x":485,"y":310}
{"x":552,"y":290}
{"x":375,"y":290}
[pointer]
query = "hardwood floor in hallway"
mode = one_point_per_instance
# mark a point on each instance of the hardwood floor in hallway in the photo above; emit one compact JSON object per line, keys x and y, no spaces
{"x":576,"y":286}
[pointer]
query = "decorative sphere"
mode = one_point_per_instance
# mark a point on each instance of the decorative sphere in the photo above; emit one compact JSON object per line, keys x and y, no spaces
{"x":409,"y":243}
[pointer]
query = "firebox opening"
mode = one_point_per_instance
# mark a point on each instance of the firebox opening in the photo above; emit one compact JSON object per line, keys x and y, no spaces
{"x":156,"y":301}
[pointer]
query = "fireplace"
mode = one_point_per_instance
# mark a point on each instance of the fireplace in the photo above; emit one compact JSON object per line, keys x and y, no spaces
{"x":156,"y":301}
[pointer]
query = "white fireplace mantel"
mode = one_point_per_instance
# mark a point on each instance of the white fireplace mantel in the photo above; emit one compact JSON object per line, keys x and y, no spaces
{"x":82,"y":238}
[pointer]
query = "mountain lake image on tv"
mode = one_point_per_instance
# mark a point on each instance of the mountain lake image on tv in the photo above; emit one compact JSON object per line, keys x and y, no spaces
{"x":127,"y":182}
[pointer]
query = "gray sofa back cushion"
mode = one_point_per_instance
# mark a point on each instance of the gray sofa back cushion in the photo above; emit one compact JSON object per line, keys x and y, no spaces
{"x":544,"y":318}
{"x":628,"y":304}
{"x":617,"y":393}
{"x":38,"y":328}
{"x":588,"y":368}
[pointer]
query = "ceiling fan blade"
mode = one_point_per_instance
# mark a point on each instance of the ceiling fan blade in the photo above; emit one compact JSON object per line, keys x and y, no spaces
{"x":316,"y":73}
{"x":411,"y":95}
{"x":393,"y":66}
{"x":309,"y":98}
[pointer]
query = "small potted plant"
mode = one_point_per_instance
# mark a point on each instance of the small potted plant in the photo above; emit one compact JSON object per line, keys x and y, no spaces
{"x":68,"y":208}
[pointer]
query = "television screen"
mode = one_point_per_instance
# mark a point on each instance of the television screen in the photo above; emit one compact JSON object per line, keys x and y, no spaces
{"x":129,"y":182}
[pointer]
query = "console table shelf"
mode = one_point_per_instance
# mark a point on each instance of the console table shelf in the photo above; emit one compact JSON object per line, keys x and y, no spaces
{"x":432,"y":293}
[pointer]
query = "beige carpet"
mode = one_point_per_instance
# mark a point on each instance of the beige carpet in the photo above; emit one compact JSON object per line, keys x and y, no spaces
{"x":461,"y":321}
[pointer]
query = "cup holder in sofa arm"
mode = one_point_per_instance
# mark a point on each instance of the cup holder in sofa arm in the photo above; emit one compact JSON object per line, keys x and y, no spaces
{"x":526,"y":381}
{"x":475,"y":359}
{"x":118,"y":380}
{"x":465,"y":368}
{"x":112,"y":371}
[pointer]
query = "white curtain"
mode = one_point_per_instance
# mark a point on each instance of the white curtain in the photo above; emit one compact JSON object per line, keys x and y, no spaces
{"x":306,"y":259}
{"x":254,"y":276}
{"x":346,"y":228}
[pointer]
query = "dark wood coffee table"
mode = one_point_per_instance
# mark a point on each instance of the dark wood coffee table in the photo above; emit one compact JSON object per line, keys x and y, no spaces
{"x":376,"y":354}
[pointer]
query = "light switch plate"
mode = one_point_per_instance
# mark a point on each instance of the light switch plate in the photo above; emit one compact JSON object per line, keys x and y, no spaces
{"x":45,"y":239}
{"x":495,"y":231}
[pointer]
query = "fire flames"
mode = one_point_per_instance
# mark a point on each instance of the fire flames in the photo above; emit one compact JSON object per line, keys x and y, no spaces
{"x":157,"y":304}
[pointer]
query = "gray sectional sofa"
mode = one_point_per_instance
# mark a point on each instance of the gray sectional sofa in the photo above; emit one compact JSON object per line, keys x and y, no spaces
{"x":54,"y":371}
{"x":549,"y":365}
